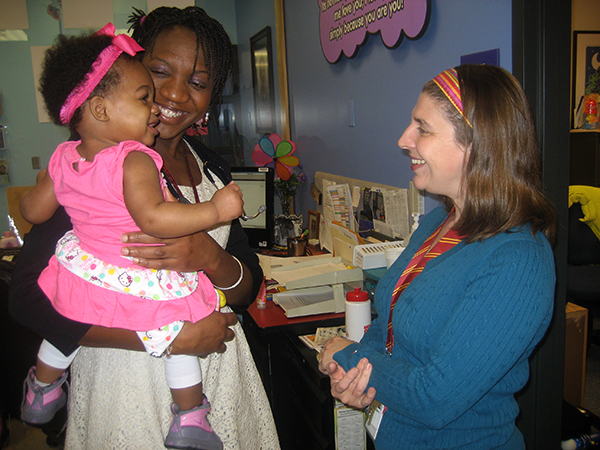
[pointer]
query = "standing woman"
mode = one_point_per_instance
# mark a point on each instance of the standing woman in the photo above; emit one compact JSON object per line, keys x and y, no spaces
{"x":188,"y":55}
{"x":465,"y":304}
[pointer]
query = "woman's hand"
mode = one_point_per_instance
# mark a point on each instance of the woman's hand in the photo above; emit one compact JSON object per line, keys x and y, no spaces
{"x":205,"y":336}
{"x":192,"y":253}
{"x":349,"y":387}
{"x":202,"y":338}
{"x":331,"y":347}
{"x":179,"y":254}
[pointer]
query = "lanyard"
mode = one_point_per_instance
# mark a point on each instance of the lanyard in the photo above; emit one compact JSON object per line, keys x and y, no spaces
{"x":415,"y":267}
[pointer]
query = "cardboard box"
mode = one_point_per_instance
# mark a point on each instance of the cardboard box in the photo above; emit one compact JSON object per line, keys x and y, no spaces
{"x":576,"y":329}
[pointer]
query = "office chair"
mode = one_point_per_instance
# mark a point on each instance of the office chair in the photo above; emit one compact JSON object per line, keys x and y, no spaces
{"x":583,"y":268}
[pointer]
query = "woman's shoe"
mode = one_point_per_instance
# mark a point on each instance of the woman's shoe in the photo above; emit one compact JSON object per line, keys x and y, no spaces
{"x":40,"y":404}
{"x":191,"y":430}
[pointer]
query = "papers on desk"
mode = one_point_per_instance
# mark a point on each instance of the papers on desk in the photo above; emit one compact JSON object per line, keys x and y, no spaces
{"x":314,"y":285}
{"x":304,"y":272}
{"x":309,"y":301}
{"x":323,"y":334}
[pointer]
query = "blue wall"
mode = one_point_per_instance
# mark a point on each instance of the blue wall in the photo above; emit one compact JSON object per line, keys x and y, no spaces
{"x":253,"y":17}
{"x":383,"y":83}
{"x":26,"y":136}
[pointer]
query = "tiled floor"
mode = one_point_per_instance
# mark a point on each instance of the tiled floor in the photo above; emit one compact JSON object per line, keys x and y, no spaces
{"x":26,"y":438}
{"x":30,"y":438}
{"x":592,"y":380}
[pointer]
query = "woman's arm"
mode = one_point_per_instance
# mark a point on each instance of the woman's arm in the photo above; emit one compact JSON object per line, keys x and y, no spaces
{"x":146,"y":203}
{"x":502,"y":314}
{"x":200,"y":251}
{"x":30,"y":307}
{"x":352,"y":388}
{"x":39,"y":204}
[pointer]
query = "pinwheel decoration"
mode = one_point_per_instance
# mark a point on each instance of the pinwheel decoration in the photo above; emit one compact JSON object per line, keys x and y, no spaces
{"x":271,"y":151}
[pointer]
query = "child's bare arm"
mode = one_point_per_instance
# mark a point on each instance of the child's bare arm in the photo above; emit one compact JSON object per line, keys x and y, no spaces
{"x":39,"y":204}
{"x":228,"y":202}
{"x":145,"y":202}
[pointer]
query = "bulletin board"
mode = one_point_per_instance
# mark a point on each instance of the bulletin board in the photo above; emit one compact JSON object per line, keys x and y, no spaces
{"x":400,"y":197}
{"x":353,"y":182}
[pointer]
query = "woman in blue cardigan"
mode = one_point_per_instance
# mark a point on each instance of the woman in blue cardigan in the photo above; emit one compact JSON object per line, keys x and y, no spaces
{"x":470,"y":297}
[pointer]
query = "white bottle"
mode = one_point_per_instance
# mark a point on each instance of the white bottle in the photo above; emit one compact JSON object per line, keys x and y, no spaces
{"x":8,"y":240}
{"x":358,"y":314}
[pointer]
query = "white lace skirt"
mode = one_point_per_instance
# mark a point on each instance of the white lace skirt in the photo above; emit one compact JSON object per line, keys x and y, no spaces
{"x":119,"y":400}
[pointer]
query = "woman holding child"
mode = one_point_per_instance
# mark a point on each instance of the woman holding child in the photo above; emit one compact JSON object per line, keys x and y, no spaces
{"x":118,"y":396}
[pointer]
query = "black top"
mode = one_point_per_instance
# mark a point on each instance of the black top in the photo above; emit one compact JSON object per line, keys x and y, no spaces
{"x":29,"y":305}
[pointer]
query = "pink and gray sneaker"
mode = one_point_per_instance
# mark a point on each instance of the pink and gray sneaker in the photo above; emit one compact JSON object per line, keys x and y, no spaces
{"x":191,"y":430}
{"x":40,"y":404}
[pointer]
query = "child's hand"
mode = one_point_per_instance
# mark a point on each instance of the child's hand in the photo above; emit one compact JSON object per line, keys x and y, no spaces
{"x":41,"y":175}
{"x":228,"y":202}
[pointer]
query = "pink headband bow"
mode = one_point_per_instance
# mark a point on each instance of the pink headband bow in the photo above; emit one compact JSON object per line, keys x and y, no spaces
{"x":447,"y":81}
{"x":108,"y":56}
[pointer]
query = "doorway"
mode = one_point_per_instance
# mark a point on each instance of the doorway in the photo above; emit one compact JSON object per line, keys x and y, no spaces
{"x":541,"y":61}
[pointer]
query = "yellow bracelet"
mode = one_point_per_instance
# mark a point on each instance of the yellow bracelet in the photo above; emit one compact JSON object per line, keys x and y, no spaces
{"x":222,"y":298}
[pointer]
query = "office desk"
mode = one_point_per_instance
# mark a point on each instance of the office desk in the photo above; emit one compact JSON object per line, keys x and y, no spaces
{"x":299,"y":394}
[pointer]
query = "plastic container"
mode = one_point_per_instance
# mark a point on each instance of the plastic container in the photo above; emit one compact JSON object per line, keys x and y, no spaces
{"x":358,"y":314}
{"x":8,"y":241}
{"x":296,"y":246}
{"x":391,"y":255}
{"x":261,"y":298}
{"x":591,"y":115}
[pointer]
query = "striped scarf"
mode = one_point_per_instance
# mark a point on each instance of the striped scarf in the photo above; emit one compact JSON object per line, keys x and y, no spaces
{"x":416,"y":266}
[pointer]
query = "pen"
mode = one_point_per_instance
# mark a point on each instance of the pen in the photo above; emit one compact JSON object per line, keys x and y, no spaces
{"x":304,"y":233}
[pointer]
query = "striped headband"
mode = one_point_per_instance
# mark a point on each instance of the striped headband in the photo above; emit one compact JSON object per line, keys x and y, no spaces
{"x":120,"y":43}
{"x":447,"y":81}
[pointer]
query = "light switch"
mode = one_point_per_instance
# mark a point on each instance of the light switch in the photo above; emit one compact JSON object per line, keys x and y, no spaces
{"x":351,"y":121}
{"x":35,"y":162}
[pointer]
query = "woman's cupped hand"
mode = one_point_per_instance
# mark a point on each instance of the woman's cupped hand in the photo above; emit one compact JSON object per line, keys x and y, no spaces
{"x":349,"y":387}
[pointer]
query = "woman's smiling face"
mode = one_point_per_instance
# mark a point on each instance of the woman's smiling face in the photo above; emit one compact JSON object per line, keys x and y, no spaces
{"x":181,"y":80}
{"x":437,"y":160}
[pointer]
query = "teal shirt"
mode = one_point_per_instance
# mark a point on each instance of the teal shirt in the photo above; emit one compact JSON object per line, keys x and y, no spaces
{"x":464,"y":330}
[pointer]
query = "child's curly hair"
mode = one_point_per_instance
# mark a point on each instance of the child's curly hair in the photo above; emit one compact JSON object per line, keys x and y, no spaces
{"x":66,"y":64}
{"x":211,"y":37}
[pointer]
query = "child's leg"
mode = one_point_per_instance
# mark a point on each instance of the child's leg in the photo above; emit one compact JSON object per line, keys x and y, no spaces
{"x":43,"y":392}
{"x":51,"y":363}
{"x":188,"y":398}
{"x":190,"y":428}
{"x":185,"y":380}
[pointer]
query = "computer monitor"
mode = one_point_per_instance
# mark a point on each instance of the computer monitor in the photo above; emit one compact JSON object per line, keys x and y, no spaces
{"x":258,"y":186}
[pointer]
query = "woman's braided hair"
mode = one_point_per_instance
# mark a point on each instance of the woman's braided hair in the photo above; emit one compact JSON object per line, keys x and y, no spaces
{"x":210,"y":37}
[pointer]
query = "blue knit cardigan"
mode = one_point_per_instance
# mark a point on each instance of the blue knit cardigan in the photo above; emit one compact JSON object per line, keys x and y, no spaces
{"x":464,"y":330}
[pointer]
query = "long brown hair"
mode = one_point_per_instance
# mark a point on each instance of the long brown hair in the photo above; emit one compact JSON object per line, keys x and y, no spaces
{"x":502,"y":176}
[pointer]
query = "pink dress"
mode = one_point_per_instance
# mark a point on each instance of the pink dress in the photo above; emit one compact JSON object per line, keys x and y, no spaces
{"x":110,"y":290}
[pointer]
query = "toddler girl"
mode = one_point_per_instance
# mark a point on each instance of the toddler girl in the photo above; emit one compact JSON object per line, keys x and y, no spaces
{"x":109,"y":182}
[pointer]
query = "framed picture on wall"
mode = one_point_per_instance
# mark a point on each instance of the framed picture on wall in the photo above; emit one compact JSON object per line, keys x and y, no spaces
{"x":2,"y":139}
{"x":262,"y":81}
{"x":586,"y":77}
{"x":313,"y":224}
{"x":4,"y":177}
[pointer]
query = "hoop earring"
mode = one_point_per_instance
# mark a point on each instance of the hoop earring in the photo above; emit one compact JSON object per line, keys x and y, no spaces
{"x":204,"y":121}
{"x":200,"y":127}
